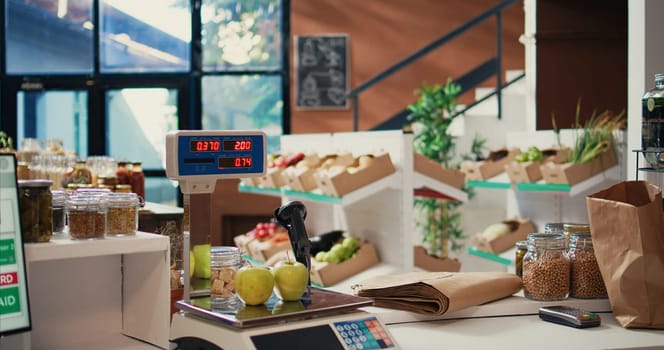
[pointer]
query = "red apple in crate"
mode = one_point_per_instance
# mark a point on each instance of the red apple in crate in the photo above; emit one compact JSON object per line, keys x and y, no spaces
{"x":291,"y":279}
{"x":254,"y":284}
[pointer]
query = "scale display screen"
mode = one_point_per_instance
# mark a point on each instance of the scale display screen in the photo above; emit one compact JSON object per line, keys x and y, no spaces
{"x":222,"y":154}
{"x":14,"y":305}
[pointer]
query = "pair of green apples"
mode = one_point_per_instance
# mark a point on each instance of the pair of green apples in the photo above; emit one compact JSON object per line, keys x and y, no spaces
{"x":288,"y":279}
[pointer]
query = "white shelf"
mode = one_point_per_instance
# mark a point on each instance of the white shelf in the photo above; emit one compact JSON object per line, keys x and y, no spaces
{"x":62,"y":246}
{"x":111,"y":293}
{"x":420,"y":180}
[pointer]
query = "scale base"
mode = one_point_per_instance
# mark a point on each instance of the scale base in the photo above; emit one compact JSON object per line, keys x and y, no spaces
{"x":346,"y":331}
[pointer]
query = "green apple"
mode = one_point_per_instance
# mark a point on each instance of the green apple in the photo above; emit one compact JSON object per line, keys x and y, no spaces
{"x":286,"y":307}
{"x":291,"y":279}
{"x":351,"y":243}
{"x":202,"y":260}
{"x":254,"y":284}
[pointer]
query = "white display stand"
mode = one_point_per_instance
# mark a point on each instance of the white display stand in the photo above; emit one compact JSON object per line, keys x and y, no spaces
{"x":381,"y":212}
{"x":111,"y":293}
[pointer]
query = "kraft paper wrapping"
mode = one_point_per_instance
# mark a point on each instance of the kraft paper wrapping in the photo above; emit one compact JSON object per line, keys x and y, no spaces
{"x":436,"y":293}
{"x":627,"y":229}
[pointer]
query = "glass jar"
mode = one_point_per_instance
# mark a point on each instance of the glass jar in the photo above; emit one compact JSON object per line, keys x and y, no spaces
{"x":224,"y":263}
{"x":137,"y":179}
{"x":59,"y":199}
{"x":521,"y":249}
{"x":554,"y":227}
{"x":652,"y":124}
{"x":35,"y":203}
{"x":122,"y":215}
{"x":546,"y":268}
{"x":86,"y":216}
{"x":79,"y":175}
{"x":586,"y":278}
{"x":568,"y":229}
{"x":123,"y":188}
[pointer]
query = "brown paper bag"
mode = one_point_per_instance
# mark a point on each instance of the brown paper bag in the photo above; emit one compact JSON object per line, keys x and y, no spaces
{"x":627,"y":231}
{"x":435,"y":293}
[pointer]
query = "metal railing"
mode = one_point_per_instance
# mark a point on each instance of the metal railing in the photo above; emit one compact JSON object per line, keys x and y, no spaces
{"x":482,"y":72}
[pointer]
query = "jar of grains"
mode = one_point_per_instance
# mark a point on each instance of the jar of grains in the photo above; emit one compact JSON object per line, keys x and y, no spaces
{"x":546,"y":267}
{"x":122,"y":215}
{"x":586,"y":279}
{"x":86,"y":215}
{"x":59,"y":199}
{"x":554,"y":227}
{"x":521,"y":249}
{"x":35,"y":204}
{"x":224,"y":263}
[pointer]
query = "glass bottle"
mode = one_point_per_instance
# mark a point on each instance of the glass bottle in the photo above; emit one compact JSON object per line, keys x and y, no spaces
{"x":59,"y":199}
{"x":122,"y":215}
{"x":586,"y":278}
{"x":652,"y":124}
{"x":36,"y":207}
{"x":122,"y":173}
{"x":521,"y":249}
{"x":546,"y":268}
{"x":137,"y":179}
{"x":225,"y":261}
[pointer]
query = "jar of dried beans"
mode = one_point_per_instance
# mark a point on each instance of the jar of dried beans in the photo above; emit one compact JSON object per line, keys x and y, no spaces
{"x":546,"y":267}
{"x":225,"y":261}
{"x":86,"y":216}
{"x":586,"y":278}
{"x":122,"y":215}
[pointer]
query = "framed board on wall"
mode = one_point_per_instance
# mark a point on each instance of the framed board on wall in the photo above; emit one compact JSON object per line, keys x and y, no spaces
{"x":321,"y":65}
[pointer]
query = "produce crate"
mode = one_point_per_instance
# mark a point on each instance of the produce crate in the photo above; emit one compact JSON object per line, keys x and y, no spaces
{"x":299,"y":178}
{"x":272,"y":178}
{"x":345,"y":182}
{"x":486,"y":169}
{"x":260,"y":250}
{"x":435,"y":170}
{"x":433,"y":263}
{"x":327,"y":274}
{"x":573,"y":173}
{"x":524,"y":226}
{"x":523,"y":172}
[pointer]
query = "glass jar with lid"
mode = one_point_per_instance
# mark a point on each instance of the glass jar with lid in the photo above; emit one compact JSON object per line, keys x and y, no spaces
{"x":225,"y":261}
{"x":86,"y":216}
{"x":122,"y":214}
{"x":36,"y":207}
{"x":554,"y":227}
{"x":546,"y":268}
{"x":59,"y":199}
{"x":586,"y":278}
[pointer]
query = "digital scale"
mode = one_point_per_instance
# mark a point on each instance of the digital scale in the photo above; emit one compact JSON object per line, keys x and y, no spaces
{"x":322,"y":319}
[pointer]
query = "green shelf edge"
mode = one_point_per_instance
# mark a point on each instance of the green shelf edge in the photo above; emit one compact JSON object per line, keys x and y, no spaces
{"x":489,"y":256}
{"x":539,"y":187}
{"x":277,"y":192}
{"x":263,"y":190}
{"x":488,"y":184}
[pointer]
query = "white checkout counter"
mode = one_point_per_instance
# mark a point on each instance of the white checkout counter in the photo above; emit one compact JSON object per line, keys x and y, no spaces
{"x":510,"y":323}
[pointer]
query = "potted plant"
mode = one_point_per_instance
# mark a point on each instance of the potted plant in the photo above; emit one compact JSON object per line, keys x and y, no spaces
{"x":438,"y":220}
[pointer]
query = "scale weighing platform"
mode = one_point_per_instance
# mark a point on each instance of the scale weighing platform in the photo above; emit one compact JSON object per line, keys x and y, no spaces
{"x":322,"y":319}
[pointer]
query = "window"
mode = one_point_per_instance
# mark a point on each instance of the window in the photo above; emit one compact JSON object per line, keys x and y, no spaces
{"x":116,"y":87}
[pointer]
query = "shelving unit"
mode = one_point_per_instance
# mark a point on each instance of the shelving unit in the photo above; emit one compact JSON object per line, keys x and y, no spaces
{"x":381,"y":212}
{"x":111,"y":293}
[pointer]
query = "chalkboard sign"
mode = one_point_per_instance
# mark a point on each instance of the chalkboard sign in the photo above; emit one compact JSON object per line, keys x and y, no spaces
{"x":321,"y":63}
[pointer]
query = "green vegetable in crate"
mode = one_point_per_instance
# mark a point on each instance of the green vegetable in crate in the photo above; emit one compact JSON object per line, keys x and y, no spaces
{"x":340,"y":251}
{"x":533,"y":154}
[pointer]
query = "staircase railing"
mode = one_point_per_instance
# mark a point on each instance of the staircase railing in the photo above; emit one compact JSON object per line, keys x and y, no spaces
{"x":482,"y":72}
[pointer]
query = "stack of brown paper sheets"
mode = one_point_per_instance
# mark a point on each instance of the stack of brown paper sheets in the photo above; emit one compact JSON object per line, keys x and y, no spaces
{"x":437,"y":293}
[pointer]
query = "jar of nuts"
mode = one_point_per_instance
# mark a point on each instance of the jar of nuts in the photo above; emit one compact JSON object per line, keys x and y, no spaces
{"x":586,"y":279}
{"x":546,"y":268}
{"x":86,"y":216}
{"x":122,"y":216}
{"x":225,"y":261}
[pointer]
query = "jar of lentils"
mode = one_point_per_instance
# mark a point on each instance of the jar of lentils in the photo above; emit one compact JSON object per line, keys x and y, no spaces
{"x":225,"y":261}
{"x":546,"y":268}
{"x":122,"y":215}
{"x":86,"y":216}
{"x":586,"y":278}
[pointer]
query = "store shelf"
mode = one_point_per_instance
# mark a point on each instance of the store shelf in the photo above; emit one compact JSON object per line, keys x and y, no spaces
{"x":111,"y":293}
{"x":443,"y":189}
{"x":497,"y":258}
{"x":62,"y":246}
{"x":501,"y":182}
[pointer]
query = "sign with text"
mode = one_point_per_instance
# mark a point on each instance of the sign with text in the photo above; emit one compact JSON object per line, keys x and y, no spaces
{"x":321,"y":64}
{"x":14,"y":305}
